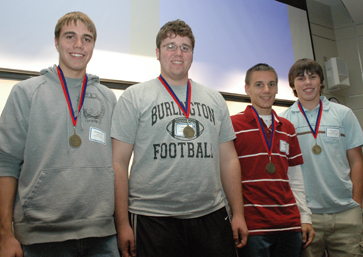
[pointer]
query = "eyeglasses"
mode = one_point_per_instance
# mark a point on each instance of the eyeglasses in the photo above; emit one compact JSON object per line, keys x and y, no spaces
{"x":173,"y":47}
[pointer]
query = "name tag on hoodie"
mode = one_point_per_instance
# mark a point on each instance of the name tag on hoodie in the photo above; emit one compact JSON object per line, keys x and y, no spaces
{"x":97,"y":135}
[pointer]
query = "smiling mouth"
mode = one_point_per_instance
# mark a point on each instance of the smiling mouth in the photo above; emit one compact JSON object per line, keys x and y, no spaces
{"x":308,"y":90}
{"x":177,"y":62}
{"x":77,"y":55}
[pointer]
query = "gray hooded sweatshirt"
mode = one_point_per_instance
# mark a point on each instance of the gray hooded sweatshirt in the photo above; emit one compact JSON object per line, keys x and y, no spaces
{"x":63,"y":192}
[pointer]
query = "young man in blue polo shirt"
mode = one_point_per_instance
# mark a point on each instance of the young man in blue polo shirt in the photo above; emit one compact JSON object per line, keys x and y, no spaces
{"x":330,"y":138}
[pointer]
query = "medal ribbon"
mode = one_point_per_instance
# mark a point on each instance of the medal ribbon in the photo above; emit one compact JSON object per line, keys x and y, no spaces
{"x":185,"y":109}
{"x":68,"y":98}
{"x":318,"y":119}
{"x":268,"y":145}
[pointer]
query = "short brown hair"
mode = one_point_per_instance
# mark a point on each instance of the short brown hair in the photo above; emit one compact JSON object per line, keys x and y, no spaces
{"x":305,"y":65}
{"x":177,"y":28}
{"x":75,"y":16}
{"x":258,"y":67}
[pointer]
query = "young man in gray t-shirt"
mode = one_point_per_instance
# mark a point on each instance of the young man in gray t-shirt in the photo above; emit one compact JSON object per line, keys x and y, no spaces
{"x":184,"y":156}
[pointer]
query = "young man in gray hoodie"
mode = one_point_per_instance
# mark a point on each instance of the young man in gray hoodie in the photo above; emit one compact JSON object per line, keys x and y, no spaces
{"x":56,"y":176}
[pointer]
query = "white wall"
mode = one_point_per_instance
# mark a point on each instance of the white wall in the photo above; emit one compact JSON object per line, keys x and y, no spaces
{"x":5,"y":88}
{"x":334,"y":35}
{"x":6,"y":85}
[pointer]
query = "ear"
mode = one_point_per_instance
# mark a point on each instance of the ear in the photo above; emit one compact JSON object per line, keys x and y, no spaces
{"x":56,"y":43}
{"x":247,"y":89}
{"x":157,"y":54}
{"x":293,"y":90}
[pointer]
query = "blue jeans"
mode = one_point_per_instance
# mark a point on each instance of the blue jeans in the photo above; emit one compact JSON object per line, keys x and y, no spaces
{"x":280,"y":244}
{"x":93,"y":246}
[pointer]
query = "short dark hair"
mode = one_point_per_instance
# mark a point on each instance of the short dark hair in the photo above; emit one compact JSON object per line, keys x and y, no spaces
{"x":305,"y":65}
{"x":259,"y":67}
{"x":177,"y":28}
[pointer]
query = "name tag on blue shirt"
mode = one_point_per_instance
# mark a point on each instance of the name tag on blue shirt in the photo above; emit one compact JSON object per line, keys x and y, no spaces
{"x":332,"y":132}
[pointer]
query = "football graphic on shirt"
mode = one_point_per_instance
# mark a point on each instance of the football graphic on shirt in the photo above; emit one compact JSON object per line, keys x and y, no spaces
{"x":177,"y":125}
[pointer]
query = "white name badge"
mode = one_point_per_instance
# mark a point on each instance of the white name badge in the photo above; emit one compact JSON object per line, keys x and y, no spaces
{"x":284,"y":147}
{"x":97,"y":135}
{"x":332,"y":132}
{"x":179,"y":127}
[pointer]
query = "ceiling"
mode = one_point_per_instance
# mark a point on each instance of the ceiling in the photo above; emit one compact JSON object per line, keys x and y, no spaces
{"x":354,"y":7}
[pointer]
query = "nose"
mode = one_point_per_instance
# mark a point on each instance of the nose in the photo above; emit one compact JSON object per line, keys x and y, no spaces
{"x":78,"y":43}
{"x":266,"y":89}
{"x":307,"y":80}
{"x":178,"y":51}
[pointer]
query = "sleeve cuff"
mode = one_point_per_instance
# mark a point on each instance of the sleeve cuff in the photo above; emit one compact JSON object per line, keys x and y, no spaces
{"x":306,"y":218}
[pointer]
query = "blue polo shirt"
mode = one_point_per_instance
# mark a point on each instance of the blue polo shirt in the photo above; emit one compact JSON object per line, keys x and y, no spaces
{"x":327,"y":175}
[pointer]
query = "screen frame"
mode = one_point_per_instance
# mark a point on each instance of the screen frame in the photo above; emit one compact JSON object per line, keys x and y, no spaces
{"x":15,"y":74}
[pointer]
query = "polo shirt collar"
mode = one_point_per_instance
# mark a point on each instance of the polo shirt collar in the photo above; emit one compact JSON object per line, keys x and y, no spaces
{"x":250,"y":117}
{"x":326,"y":105}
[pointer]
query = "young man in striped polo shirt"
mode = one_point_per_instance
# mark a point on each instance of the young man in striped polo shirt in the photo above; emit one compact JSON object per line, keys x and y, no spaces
{"x":276,"y":213}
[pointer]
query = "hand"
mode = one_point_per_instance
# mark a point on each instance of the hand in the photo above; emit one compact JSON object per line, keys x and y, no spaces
{"x":308,"y":234}
{"x":126,"y":241}
{"x":10,"y":247}
{"x":240,"y":231}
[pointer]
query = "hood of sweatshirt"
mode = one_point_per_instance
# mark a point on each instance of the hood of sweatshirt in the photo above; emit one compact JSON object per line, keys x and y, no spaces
{"x":52,"y":74}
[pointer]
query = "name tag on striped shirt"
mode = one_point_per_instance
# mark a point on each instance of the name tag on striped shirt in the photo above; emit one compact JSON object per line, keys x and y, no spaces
{"x":284,"y":147}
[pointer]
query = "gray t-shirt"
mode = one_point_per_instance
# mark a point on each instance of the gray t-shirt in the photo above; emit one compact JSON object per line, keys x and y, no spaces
{"x":172,"y":175}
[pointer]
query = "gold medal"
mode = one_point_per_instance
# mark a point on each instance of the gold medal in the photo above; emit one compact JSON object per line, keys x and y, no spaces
{"x":188,"y":132}
{"x":75,"y":141}
{"x":316,"y":149}
{"x":271,"y":168}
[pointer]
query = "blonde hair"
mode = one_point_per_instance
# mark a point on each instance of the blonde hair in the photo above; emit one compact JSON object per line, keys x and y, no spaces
{"x":75,"y":16}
